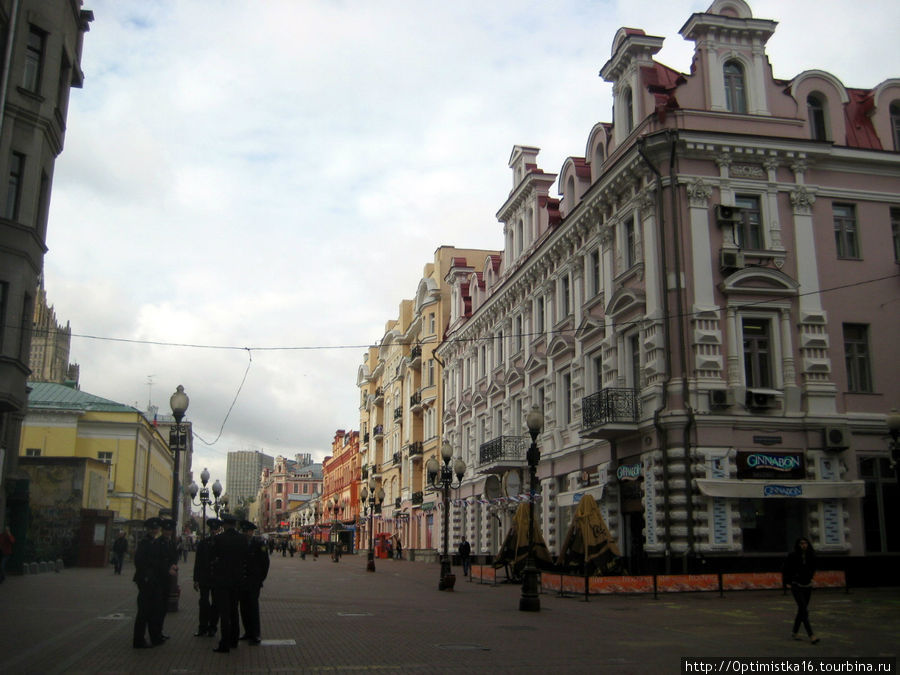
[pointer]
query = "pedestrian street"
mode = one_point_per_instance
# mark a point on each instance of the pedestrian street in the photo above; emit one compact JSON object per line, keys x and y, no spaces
{"x":318,"y":616}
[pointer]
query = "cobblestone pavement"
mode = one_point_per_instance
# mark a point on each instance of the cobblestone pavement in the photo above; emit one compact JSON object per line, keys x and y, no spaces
{"x":325,"y":617}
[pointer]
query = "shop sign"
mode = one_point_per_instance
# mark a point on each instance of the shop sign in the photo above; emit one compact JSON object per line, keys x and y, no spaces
{"x":783,"y":491}
{"x":770,"y":465}
{"x":767,"y":440}
{"x":629,"y":471}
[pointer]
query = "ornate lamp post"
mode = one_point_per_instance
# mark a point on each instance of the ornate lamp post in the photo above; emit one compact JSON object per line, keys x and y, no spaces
{"x":179,"y":403}
{"x":442,"y":477}
{"x":204,"y":495}
{"x":530,"y":601}
{"x":375,"y":497}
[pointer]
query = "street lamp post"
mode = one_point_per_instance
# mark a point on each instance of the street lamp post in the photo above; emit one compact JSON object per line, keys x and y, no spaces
{"x":179,"y":403}
{"x":204,"y":496}
{"x":375,"y":497}
{"x":442,"y":477}
{"x":530,"y":601}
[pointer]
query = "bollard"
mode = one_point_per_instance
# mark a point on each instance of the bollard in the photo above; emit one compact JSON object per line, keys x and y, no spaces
{"x":42,"y":566}
{"x":59,"y":565}
{"x":34,"y":568}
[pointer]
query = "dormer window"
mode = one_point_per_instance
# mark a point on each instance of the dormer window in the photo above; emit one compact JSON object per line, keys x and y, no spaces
{"x":815,"y":110}
{"x":895,"y":124}
{"x":735,"y":92}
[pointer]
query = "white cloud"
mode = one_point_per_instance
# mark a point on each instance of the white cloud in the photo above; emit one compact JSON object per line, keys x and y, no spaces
{"x":276,"y":174}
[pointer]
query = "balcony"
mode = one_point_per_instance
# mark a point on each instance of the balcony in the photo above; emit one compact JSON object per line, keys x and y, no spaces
{"x":610,"y":413}
{"x":502,"y":453}
{"x":415,"y":402}
{"x":398,"y":413}
{"x":379,"y":432}
{"x":415,"y":449}
{"x":415,"y":357}
{"x":366,"y":437}
{"x":379,"y":396}
{"x":418,"y":498}
{"x":397,"y":457}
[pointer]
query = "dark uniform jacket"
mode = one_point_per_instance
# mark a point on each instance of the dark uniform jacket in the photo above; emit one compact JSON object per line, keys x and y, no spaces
{"x":203,"y":562}
{"x":256,"y":564}
{"x":148,"y":563}
{"x":229,"y":549}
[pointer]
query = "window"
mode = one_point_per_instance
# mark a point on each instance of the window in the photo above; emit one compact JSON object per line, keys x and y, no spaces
{"x":105,"y":457}
{"x":32,"y":452}
{"x":14,"y":185}
{"x":565,"y":398}
{"x":628,"y":236}
{"x":895,"y":124}
{"x":278,"y":488}
{"x":431,"y":324}
{"x":539,"y":398}
{"x":62,"y":88}
{"x":34,"y":60}
{"x":757,"y":349}
{"x":881,"y":502}
{"x":845,"y":234}
{"x":895,"y":232}
{"x":856,"y":357}
{"x":539,"y":316}
{"x":430,"y":372}
{"x":748,"y":232}
{"x":815,"y":112}
{"x":594,"y":271}
{"x":565,"y":296}
{"x":629,"y":109}
{"x":598,"y":372}
{"x":634,"y":357}
{"x":517,"y":333}
{"x":520,"y":237}
{"x":735,"y":97}
{"x":4,"y":306}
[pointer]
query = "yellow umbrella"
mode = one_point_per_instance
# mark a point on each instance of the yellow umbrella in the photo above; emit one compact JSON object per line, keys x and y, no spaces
{"x":588,"y":544}
{"x":515,"y":547}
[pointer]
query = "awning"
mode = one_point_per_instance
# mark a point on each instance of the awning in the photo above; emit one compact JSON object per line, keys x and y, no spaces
{"x":791,"y":489}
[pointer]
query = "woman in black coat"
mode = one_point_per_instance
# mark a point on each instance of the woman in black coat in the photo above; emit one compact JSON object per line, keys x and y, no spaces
{"x":798,"y":572}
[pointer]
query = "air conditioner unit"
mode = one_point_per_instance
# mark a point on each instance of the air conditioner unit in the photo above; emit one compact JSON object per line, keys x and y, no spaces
{"x":728,"y":214}
{"x":720,"y":398}
{"x":729,"y":259}
{"x":836,"y":438}
{"x":760,"y":400}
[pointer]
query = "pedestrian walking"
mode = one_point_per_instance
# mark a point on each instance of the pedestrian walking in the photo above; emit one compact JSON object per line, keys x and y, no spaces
{"x":7,"y":540}
{"x":798,"y":573}
{"x":208,"y":614}
{"x":465,"y":550}
{"x":168,"y":552}
{"x":256,"y":569}
{"x":304,"y":547}
{"x":399,"y":549}
{"x":229,"y":549}
{"x":147,"y":567}
{"x":119,"y":547}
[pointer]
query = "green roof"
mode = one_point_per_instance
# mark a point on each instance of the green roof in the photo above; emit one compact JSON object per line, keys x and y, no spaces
{"x":53,"y":396}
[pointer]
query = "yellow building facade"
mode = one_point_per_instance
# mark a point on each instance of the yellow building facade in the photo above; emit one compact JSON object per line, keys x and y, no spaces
{"x":65,"y":422}
{"x":401,"y":402}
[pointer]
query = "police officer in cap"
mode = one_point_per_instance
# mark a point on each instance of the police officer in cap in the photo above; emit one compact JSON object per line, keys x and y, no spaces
{"x":168,"y":551}
{"x":208,"y":615}
{"x":229,"y":549}
{"x":256,"y":568}
{"x":148,"y":566}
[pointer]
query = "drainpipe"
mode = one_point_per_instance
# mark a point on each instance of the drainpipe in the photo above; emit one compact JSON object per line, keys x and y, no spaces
{"x":660,"y":429}
{"x":7,"y":59}
{"x":682,"y":350}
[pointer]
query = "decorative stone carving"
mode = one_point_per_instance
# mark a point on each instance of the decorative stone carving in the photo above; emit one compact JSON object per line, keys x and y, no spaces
{"x":802,"y":201}
{"x":699,"y":192}
{"x":747,"y":171}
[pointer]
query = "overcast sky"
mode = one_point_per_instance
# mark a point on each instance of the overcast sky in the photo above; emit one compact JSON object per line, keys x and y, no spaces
{"x":275,"y":174}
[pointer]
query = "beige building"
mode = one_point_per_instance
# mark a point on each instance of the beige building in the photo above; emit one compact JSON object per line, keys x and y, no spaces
{"x":401,"y":401}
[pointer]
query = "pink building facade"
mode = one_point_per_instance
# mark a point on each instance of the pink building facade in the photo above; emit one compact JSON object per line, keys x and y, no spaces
{"x":703,"y":314}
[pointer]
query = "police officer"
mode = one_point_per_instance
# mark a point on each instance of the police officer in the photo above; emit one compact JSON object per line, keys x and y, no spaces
{"x":256,"y":568}
{"x":229,"y":549}
{"x":208,"y":615}
{"x":147,"y":569}
{"x":167,"y":550}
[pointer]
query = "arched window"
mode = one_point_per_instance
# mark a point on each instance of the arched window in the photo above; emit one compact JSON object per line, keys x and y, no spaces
{"x":628,"y":108}
{"x":570,"y":193}
{"x":520,"y":237}
{"x":735,"y":95}
{"x":598,"y":157}
{"x":895,"y":124}
{"x":815,"y":111}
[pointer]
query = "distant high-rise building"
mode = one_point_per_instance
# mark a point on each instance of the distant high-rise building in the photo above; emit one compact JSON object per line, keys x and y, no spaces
{"x":243,"y":471}
{"x":50,"y":344}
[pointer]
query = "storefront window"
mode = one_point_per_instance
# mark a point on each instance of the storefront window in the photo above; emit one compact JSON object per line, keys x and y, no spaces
{"x":882,"y":533}
{"x":771,"y":525}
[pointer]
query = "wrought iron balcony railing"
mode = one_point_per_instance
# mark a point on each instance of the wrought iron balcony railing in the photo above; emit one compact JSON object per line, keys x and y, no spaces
{"x":415,"y":448}
{"x":610,"y":406}
{"x":418,"y":497}
{"x":502,"y":448}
